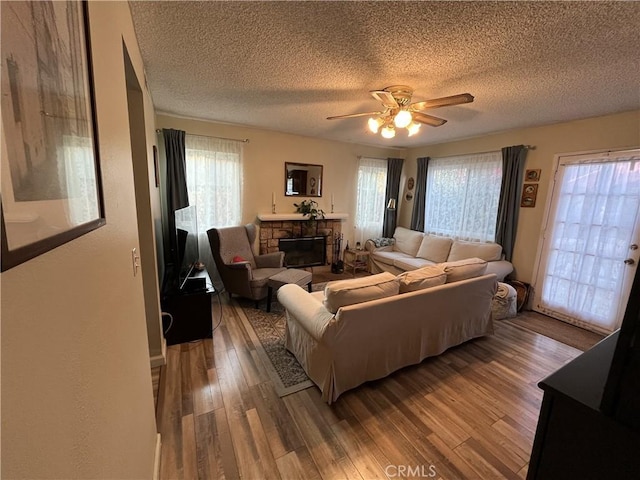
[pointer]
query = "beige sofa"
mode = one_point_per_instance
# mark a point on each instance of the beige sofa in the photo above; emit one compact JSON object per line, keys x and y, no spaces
{"x":364,"y":329}
{"x":411,"y":250}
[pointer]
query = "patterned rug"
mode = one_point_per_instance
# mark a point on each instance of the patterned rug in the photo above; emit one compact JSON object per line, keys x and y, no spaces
{"x":267,"y":332}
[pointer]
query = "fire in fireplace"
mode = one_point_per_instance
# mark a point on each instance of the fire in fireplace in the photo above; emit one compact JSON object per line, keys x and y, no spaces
{"x":303,"y":251}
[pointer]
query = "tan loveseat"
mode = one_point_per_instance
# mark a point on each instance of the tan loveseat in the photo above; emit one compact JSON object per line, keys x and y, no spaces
{"x":364,"y":329}
{"x":411,"y":250}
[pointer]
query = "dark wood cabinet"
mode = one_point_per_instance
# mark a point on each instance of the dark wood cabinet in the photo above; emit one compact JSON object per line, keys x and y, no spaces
{"x":574,"y":438}
{"x":589,"y":425}
{"x":190,"y":309}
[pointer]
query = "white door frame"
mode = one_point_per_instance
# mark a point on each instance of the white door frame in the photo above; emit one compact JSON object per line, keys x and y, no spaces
{"x":547,"y":212}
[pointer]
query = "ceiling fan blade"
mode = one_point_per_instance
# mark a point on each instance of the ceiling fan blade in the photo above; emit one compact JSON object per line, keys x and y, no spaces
{"x":385,"y":97}
{"x":353,"y":115}
{"x":443,"y":102}
{"x":428,"y":119}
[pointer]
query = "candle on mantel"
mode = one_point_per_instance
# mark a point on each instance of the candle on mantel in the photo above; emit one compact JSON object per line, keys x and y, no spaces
{"x":332,"y":199}
{"x":273,"y":202}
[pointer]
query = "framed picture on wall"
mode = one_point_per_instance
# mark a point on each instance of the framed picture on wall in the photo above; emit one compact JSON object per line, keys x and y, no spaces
{"x":532,"y":175}
{"x":529,"y":194}
{"x":51,"y":186}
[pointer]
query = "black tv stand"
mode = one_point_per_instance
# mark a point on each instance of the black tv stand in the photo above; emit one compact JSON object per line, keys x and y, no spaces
{"x":190,"y":308}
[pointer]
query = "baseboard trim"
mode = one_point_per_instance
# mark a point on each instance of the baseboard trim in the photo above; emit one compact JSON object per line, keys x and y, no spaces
{"x":156,"y":460}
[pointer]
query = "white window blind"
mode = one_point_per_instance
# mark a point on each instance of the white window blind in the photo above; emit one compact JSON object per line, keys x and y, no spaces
{"x":371,"y":187}
{"x":462,"y":196}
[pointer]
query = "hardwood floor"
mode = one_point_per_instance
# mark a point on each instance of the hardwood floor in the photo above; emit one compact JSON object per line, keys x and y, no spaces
{"x":470,"y":413}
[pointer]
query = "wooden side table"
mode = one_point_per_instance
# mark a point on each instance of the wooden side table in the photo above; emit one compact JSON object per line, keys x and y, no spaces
{"x":356,"y":260}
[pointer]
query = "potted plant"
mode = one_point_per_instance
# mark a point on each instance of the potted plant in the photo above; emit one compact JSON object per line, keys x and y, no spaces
{"x":309,"y":208}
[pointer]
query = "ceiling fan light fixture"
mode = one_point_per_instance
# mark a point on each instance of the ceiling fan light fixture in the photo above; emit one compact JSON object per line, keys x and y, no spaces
{"x":374,"y":124}
{"x":399,"y":112}
{"x":402,"y":119}
{"x":388,"y":132}
{"x":413,"y":128}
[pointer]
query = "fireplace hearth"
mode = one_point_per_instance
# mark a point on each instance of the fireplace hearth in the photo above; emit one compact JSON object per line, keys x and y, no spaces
{"x":304,"y":251}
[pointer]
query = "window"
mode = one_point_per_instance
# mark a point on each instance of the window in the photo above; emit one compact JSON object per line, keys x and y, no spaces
{"x":371,"y":188}
{"x":214,"y":180}
{"x":80,"y":175}
{"x":462,"y":196}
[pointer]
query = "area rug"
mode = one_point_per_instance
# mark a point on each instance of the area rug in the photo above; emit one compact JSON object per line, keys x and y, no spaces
{"x":267,"y":332}
{"x":571,"y":335}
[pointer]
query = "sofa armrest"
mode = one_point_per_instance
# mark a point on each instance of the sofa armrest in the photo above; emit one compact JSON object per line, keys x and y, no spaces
{"x":269,"y":260}
{"x":304,"y":308}
{"x":501,"y":268}
{"x":370,"y":246}
{"x":245,"y":265}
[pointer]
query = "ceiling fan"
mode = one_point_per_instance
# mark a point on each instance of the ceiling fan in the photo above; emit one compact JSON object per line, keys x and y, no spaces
{"x":401,"y":113}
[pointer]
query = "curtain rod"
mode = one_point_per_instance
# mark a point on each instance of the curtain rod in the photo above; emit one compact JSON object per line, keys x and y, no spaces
{"x":528,"y":147}
{"x":243,"y":140}
{"x":372,"y":158}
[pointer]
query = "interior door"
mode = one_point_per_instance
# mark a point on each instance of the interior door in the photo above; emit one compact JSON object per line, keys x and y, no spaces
{"x":590,"y":240}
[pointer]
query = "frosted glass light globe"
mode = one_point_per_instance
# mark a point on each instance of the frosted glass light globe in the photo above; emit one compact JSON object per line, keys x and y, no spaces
{"x":413,"y":128}
{"x":388,"y":132}
{"x":374,"y":124}
{"x":403,"y":118}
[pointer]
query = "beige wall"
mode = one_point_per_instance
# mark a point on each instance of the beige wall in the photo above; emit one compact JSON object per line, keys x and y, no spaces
{"x":76,"y":383}
{"x":267,"y":151}
{"x":264,"y":159}
{"x":607,"y":132}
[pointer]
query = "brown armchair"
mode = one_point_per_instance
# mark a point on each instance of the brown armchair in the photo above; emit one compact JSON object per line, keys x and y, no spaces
{"x":247,"y":278}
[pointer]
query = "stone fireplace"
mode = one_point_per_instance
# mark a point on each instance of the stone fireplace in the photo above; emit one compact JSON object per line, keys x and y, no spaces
{"x":274,"y":227}
{"x":303,"y":251}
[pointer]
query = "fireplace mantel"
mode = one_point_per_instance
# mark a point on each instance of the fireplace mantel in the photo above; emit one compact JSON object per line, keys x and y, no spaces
{"x":287,"y":217}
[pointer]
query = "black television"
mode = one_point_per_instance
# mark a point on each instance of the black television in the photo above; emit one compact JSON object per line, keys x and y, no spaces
{"x":186,"y":243}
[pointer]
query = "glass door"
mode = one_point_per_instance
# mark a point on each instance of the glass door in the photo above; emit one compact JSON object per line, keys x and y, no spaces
{"x":590,"y":243}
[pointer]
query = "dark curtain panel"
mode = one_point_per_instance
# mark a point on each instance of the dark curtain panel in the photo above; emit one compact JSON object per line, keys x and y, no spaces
{"x":513,"y":159}
{"x":394,"y":169}
{"x":176,"y":169}
{"x":417,"y":215}
{"x":176,"y":187}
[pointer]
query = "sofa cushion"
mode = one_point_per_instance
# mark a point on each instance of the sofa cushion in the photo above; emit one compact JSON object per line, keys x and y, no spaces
{"x":407,"y":241}
{"x":390,"y":257}
{"x":425,"y":277}
{"x":348,"y":292}
{"x":435,"y":248}
{"x":411,"y":263}
{"x":486,"y":251}
{"x":463,"y":269}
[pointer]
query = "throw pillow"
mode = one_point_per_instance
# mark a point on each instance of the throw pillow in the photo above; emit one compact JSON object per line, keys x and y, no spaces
{"x":238,"y":259}
{"x":348,"y":292}
{"x":435,"y":248}
{"x":486,"y":251}
{"x":463,"y":269}
{"x":425,"y":277}
{"x":383,"y":241}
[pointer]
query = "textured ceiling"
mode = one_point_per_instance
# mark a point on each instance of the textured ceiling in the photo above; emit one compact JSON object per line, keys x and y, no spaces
{"x":286,"y":66}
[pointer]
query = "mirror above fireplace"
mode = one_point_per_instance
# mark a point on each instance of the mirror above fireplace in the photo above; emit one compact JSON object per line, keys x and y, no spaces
{"x":302,"y":180}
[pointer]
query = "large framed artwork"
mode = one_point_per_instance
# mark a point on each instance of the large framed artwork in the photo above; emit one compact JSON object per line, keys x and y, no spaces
{"x":51,"y":187}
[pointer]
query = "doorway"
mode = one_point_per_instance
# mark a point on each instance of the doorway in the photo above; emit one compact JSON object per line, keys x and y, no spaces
{"x":590,"y":240}
{"x":146,"y":233}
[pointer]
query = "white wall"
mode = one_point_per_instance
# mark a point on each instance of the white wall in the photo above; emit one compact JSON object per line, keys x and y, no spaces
{"x":264,"y":159}
{"x":77,"y":400}
{"x":607,"y":132}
